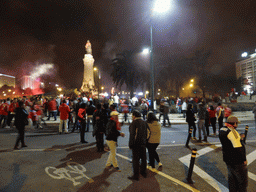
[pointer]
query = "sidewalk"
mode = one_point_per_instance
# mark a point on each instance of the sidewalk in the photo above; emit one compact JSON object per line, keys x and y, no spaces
{"x":52,"y":127}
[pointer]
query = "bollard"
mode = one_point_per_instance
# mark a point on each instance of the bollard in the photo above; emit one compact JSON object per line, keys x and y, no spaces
{"x":245,"y":133}
{"x":191,"y":166}
{"x":189,"y":136}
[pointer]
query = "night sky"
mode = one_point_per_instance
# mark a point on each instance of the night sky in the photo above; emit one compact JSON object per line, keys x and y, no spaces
{"x":34,"y":32}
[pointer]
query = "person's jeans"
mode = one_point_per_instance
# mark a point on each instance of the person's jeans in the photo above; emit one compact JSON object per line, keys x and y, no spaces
{"x":10,"y":117}
{"x":179,"y":109}
{"x":82,"y":131}
{"x":160,"y":115}
{"x":125,"y":117}
{"x":220,"y":121}
{"x":100,"y":141}
{"x":52,"y":113}
{"x":192,"y":124}
{"x":184,"y":113}
{"x":144,"y":114}
{"x":166,"y":117}
{"x":112,"y":155}
{"x":139,"y":153}
{"x":213,"y":123}
{"x":237,"y":178}
{"x":206,"y":124}
{"x":201,"y":127}
{"x":152,"y":154}
{"x":65,"y":122}
{"x":20,"y":137}
{"x":3,"y":117}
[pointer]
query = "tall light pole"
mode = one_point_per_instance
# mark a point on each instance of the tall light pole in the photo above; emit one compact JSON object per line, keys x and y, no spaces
{"x":160,"y":7}
{"x":152,"y":82}
{"x":98,"y":74}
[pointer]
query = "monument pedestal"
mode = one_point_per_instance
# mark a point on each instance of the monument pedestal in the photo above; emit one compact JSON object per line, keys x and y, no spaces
{"x":88,"y":80}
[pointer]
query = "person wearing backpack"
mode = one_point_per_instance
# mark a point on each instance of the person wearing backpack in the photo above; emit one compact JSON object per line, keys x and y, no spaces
{"x":220,"y":115}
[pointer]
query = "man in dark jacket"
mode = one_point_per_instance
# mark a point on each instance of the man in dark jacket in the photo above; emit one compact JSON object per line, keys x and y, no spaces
{"x":234,"y":155}
{"x":21,"y":116}
{"x":98,"y":128}
{"x":139,"y":133}
{"x":111,"y":136}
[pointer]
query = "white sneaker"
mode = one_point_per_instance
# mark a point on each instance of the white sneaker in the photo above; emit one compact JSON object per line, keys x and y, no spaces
{"x":160,"y":164}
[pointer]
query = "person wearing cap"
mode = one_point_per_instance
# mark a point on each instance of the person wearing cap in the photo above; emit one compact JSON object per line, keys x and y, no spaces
{"x":234,"y":155}
{"x":112,"y":134}
{"x":139,"y":133}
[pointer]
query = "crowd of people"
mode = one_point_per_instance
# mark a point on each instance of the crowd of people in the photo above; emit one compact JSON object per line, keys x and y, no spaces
{"x":144,"y":129}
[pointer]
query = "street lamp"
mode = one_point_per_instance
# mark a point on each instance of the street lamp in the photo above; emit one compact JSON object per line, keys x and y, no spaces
{"x":160,"y":6}
{"x":146,"y":51}
{"x":96,"y":69}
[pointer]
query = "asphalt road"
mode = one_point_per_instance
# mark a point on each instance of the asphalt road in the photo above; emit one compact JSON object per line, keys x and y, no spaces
{"x":61,"y":163}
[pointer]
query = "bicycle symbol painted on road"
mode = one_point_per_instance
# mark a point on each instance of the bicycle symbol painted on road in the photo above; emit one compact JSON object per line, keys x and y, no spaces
{"x":64,"y":173}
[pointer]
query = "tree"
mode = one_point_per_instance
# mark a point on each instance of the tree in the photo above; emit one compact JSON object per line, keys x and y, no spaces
{"x":173,"y":77}
{"x":126,"y":71}
{"x":200,"y":61}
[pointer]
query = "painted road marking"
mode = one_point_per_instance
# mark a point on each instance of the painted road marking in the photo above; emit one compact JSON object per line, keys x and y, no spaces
{"x":217,"y":144}
{"x":209,"y":179}
{"x":63,"y":173}
{"x":176,"y":181}
{"x":50,"y":149}
{"x":250,"y":158}
{"x":252,"y":176}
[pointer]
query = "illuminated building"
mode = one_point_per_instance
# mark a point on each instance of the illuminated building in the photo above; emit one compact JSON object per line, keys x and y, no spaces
{"x":7,"y":80}
{"x":27,"y":82}
{"x":246,"y":69}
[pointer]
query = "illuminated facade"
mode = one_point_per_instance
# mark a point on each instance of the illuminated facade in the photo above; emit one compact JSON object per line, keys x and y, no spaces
{"x":7,"y":80}
{"x":246,"y":69}
{"x":27,"y":82}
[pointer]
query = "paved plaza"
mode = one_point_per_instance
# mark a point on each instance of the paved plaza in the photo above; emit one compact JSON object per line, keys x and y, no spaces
{"x":53,"y":162}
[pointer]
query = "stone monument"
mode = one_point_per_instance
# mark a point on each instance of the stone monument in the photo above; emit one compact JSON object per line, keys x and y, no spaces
{"x":88,"y":81}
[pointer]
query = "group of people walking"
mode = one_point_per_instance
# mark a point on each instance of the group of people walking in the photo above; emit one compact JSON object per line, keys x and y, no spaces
{"x":205,"y":116}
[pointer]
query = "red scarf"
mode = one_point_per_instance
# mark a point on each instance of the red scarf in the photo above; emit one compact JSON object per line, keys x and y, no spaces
{"x":229,"y":125}
{"x":118,"y":127}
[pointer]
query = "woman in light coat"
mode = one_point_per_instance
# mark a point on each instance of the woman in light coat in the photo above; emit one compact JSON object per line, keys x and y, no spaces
{"x":154,"y":139}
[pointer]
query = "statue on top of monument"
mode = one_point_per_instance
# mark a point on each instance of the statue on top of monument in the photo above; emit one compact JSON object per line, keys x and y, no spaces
{"x":88,"y":47}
